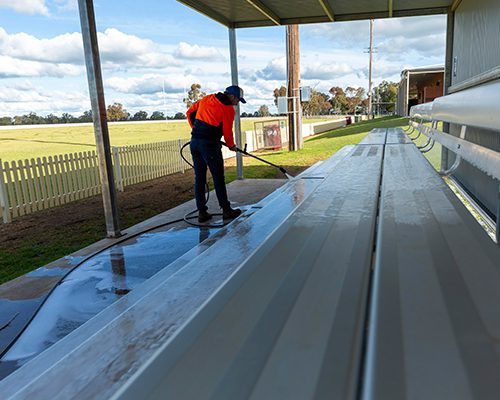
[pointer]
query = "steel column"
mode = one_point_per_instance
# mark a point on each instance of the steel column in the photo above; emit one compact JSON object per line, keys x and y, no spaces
{"x":96,"y":91}
{"x":450,"y":22}
{"x":237,"y":121}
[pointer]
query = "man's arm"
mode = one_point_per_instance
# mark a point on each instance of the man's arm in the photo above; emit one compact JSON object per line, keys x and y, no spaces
{"x":191,"y":114}
{"x":227,"y":127}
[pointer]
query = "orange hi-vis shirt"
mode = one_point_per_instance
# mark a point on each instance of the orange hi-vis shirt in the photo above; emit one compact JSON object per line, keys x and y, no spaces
{"x":218,"y":116}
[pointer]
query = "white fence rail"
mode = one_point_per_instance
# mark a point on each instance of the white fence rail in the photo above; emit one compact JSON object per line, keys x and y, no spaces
{"x":37,"y":184}
{"x":143,"y":162}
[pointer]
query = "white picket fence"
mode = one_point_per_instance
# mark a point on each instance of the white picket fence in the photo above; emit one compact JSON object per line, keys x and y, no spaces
{"x":27,"y":186}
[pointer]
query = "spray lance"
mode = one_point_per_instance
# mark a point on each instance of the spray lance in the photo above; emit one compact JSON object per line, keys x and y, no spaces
{"x":245,"y":152}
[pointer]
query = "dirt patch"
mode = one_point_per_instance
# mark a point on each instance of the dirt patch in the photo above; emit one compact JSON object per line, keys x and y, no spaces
{"x":147,"y":199}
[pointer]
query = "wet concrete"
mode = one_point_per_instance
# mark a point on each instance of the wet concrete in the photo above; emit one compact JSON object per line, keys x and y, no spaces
{"x":100,"y":281}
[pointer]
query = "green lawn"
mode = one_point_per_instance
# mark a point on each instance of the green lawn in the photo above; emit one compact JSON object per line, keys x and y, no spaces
{"x":315,"y":149}
{"x":16,"y":144}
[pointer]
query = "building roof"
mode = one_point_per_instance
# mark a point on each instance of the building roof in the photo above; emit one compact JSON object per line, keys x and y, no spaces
{"x":425,"y":69}
{"x":255,"y":13}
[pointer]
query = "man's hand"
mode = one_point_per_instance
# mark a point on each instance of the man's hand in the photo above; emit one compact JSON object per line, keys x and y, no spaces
{"x":233,"y":148}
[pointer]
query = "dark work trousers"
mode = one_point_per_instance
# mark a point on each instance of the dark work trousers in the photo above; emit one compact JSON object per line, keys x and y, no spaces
{"x":208,"y":153}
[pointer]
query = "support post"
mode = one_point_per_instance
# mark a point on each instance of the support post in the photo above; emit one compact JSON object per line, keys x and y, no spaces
{"x":370,"y":96}
{"x":96,"y":91}
{"x":448,"y":71}
{"x":237,"y":120}
{"x":295,"y":141}
{"x":4,"y":198}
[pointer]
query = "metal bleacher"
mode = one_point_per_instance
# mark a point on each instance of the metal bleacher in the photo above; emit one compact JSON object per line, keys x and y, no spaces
{"x":364,"y":277}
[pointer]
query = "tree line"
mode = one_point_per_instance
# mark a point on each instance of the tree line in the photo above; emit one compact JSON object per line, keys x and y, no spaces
{"x":351,"y":100}
{"x":114,"y":112}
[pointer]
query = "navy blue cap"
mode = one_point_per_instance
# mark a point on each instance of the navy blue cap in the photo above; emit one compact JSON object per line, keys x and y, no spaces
{"x":236,"y":91}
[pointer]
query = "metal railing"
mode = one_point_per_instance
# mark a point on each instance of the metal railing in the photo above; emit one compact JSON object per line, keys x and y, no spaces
{"x":476,"y":107}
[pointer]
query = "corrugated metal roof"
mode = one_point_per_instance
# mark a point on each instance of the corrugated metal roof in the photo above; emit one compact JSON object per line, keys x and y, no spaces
{"x":254,"y":13}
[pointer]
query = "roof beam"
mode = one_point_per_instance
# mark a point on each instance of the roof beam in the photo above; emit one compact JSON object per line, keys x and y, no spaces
{"x":265,"y":10}
{"x":200,"y":7}
{"x":328,"y":9}
{"x":390,"y":7}
{"x":455,"y":5}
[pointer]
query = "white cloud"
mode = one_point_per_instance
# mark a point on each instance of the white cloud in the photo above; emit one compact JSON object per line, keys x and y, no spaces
{"x":326,"y":71}
{"x":424,"y":35}
{"x":66,"y":48}
{"x":148,"y":84}
{"x":117,"y":49}
{"x":24,"y":98}
{"x":274,"y":70}
{"x":196,"y":52}
{"x":12,"y":67}
{"x":26,"y":6}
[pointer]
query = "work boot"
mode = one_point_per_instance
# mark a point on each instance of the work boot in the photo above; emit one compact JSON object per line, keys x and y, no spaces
{"x":204,"y":216}
{"x":230,"y":213}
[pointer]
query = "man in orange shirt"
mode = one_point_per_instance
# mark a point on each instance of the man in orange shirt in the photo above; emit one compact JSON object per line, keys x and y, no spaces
{"x":211,"y":118}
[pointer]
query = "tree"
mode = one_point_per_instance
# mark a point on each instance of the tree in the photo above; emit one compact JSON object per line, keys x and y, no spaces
{"x":6,"y":121}
{"x":281,"y":92}
{"x":52,"y":119}
{"x":194,"y":95}
{"x":28,"y":119}
{"x":339,"y":100}
{"x":157,"y":115}
{"x":318,"y":104}
{"x":116,"y":112}
{"x":140,"y":116}
{"x":66,"y":118}
{"x":86,"y":116}
{"x":179,"y":115}
{"x":387,"y":93}
{"x":263,"y":111}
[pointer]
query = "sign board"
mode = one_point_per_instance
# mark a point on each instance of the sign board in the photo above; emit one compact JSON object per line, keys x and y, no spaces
{"x":305,"y":93}
{"x":283,"y":105}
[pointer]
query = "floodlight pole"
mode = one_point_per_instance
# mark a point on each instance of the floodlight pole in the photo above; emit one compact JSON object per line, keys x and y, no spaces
{"x":237,"y":120}
{"x":96,"y":91}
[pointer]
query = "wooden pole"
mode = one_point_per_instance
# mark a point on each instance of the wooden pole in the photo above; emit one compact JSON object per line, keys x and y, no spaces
{"x":295,"y":141}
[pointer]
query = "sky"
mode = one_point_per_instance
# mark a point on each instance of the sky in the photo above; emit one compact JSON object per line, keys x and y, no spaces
{"x":153,"y":50}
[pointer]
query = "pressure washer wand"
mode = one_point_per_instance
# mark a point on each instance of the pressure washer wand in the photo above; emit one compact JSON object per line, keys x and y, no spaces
{"x":245,"y":152}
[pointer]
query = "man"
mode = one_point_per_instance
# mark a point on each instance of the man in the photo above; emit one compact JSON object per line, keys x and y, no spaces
{"x":211,"y":118}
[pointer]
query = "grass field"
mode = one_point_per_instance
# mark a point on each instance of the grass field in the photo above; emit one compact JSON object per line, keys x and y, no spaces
{"x":17,"y":144}
{"x":27,"y":249}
